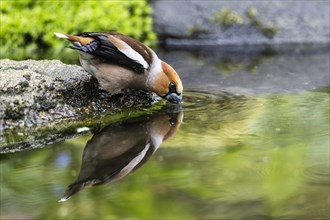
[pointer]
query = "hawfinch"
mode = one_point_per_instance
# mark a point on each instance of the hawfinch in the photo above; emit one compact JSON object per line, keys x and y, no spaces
{"x":120,"y":62}
{"x":121,"y":148}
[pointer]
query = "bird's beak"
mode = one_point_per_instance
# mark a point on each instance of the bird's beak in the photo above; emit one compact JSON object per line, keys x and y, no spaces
{"x":174,"y":98}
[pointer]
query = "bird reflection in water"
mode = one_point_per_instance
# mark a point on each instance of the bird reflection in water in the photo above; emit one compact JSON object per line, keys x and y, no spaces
{"x":121,"y":148}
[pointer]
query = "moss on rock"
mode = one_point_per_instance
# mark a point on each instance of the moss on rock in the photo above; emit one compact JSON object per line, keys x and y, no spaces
{"x":227,"y":17}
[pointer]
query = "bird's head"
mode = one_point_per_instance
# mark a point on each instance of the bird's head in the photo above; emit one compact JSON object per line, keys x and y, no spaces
{"x":166,"y":83}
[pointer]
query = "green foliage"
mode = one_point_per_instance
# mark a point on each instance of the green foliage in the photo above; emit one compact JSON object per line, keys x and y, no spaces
{"x":268,"y":30}
{"x":227,"y":17}
{"x":28,"y":26}
{"x":197,"y":29}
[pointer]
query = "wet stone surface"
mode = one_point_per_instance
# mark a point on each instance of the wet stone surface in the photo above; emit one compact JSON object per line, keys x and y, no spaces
{"x":39,"y":92}
{"x":241,"y":23}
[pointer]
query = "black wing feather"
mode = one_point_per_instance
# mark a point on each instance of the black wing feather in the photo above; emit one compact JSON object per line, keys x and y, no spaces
{"x":102,"y":47}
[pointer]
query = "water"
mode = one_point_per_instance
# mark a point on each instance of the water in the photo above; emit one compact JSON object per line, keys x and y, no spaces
{"x":234,"y":150}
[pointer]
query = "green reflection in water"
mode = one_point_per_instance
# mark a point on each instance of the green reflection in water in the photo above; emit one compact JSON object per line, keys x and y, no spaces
{"x":232,"y":158}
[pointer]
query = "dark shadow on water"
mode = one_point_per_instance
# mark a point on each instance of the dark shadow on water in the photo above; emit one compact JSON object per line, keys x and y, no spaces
{"x":119,"y":149}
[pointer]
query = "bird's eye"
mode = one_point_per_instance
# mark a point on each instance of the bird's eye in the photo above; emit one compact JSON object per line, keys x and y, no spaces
{"x":172,"y":121}
{"x":171,"y":87}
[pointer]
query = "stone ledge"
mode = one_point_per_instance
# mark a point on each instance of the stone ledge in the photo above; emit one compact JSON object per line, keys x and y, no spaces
{"x":240,"y":23}
{"x":39,"y":92}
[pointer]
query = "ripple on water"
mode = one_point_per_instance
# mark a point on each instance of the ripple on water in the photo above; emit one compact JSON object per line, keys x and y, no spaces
{"x":318,"y":173}
{"x":215,"y":118}
{"x":196,"y":100}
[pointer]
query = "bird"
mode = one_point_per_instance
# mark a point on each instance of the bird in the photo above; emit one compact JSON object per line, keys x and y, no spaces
{"x":120,"y":62}
{"x":119,"y":149}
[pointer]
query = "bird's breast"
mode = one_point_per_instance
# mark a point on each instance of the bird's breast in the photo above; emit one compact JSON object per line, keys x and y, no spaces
{"x":112,"y":77}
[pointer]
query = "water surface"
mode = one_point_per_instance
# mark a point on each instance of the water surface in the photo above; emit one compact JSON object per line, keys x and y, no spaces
{"x":261,"y":152}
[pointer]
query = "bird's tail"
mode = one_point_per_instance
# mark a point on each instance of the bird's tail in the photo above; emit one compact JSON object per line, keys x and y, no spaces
{"x":75,"y":40}
{"x":73,"y":189}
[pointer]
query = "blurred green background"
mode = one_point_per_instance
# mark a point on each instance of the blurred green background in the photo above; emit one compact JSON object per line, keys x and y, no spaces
{"x":28,"y":26}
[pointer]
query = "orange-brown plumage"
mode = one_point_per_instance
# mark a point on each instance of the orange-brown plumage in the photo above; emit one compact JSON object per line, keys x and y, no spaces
{"x":120,"y":62}
{"x":172,"y":74}
{"x":83,"y":40}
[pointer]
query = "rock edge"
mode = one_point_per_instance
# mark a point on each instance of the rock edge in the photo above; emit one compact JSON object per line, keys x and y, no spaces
{"x":39,"y":92}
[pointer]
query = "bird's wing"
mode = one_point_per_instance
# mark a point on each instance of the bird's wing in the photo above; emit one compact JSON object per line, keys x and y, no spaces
{"x":111,"y":48}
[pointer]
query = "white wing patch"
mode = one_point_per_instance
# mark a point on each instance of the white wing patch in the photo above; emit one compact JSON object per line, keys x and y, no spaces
{"x":155,"y":68}
{"x":132,"y":54}
{"x":133,"y":163}
{"x":156,"y":139}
